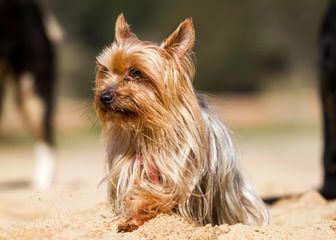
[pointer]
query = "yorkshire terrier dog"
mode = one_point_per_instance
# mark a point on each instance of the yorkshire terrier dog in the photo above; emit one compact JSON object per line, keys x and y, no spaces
{"x":166,"y":151}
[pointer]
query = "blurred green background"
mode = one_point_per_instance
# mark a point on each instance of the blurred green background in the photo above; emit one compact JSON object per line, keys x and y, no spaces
{"x":241,"y":46}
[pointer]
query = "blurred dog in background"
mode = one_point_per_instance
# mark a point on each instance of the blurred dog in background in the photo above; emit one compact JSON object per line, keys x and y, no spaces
{"x":27,"y":58}
{"x":327,"y":67}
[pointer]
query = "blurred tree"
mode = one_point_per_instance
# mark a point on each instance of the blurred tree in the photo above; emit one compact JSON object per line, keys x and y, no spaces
{"x":238,"y":44}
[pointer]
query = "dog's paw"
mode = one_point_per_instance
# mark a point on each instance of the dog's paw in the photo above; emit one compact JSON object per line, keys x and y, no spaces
{"x":128,"y":225}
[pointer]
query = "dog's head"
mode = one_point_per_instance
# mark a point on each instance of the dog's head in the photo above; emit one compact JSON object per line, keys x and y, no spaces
{"x":139,"y":82}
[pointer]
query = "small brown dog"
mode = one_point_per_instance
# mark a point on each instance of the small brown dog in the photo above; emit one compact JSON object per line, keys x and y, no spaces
{"x":167,"y":152}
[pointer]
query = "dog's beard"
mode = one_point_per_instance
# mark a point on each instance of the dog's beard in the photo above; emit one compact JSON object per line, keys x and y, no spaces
{"x":114,"y":111}
{"x":123,"y":114}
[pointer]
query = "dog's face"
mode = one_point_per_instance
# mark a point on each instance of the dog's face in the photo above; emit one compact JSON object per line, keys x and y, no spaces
{"x":137,"y":81}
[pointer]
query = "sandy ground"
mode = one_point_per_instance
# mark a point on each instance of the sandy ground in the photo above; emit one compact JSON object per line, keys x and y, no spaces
{"x":278,"y":141}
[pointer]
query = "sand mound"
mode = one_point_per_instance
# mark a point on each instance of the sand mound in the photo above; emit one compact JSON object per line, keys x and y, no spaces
{"x":305,"y":217}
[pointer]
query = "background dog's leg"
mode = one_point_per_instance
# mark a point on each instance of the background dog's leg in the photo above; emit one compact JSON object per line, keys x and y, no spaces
{"x":3,"y":74}
{"x":328,"y":95}
{"x":2,"y":86}
{"x":36,"y":106}
{"x":327,"y":44}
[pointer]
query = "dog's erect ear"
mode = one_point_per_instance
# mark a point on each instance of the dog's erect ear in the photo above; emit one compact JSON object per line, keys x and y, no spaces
{"x":122,"y":29}
{"x":182,"y":39}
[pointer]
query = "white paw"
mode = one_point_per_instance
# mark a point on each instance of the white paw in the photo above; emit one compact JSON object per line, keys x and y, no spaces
{"x":44,"y":167}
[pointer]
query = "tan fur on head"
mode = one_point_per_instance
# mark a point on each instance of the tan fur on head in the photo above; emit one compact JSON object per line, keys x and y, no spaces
{"x":166,"y":151}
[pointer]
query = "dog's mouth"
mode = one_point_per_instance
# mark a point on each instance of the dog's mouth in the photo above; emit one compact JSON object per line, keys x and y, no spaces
{"x":119,"y":111}
{"x":122,"y":111}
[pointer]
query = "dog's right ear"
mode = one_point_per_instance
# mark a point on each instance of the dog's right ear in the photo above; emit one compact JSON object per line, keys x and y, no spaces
{"x":122,"y":29}
{"x":182,"y":39}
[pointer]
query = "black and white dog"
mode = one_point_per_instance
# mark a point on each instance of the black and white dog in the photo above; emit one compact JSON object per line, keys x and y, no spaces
{"x":27,"y":58}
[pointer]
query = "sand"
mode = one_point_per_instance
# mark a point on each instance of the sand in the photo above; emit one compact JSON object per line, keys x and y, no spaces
{"x":306,"y":217}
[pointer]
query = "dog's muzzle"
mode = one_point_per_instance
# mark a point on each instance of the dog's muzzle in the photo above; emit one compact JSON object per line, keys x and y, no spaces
{"x":106,"y":97}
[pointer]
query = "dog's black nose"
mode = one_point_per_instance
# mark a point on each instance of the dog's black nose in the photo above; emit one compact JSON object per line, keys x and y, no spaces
{"x":106,"y":97}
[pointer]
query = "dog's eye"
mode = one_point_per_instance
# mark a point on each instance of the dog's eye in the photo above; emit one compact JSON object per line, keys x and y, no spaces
{"x":104,"y":70}
{"x":102,"y":67}
{"x":134,"y":73}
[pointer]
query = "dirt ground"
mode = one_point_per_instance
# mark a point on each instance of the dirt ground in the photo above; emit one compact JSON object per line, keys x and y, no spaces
{"x":277,"y":138}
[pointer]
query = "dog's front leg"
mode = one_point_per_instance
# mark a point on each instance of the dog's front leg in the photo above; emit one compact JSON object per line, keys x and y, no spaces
{"x":140,"y":208}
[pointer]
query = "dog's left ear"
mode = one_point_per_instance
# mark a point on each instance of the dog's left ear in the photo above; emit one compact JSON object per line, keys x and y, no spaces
{"x":182,"y":39}
{"x":122,"y":29}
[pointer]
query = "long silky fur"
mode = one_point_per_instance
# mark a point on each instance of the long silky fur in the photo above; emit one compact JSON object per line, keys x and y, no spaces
{"x":226,"y":195}
{"x":188,"y":146}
